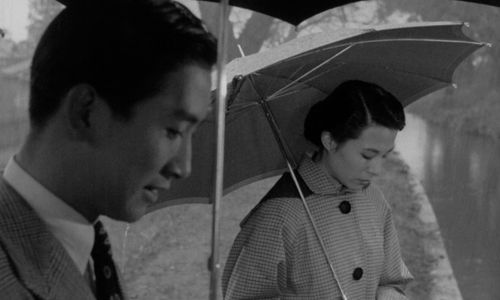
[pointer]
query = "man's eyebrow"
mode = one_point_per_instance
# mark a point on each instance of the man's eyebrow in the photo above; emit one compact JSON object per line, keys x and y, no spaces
{"x":184,"y":115}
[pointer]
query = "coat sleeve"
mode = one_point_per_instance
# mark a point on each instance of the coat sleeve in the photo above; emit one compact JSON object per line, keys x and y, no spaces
{"x":395,"y":275}
{"x":256,"y":267}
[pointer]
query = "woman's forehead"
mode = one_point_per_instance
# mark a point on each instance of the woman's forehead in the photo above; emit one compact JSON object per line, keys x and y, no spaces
{"x":376,"y":137}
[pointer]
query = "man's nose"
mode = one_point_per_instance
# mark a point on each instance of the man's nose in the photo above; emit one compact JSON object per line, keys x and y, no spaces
{"x":180,"y":166}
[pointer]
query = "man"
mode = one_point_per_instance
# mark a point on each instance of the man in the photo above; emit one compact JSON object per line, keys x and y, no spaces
{"x":117,"y":89}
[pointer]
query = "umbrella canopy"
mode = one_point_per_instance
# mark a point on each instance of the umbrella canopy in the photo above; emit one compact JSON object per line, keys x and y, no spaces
{"x":295,"y":12}
{"x":487,"y":2}
{"x":409,"y":61}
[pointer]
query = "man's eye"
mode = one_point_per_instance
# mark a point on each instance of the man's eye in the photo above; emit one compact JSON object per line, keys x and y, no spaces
{"x":173,"y":133}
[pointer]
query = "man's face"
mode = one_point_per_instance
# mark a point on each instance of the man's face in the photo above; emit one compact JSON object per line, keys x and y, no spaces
{"x":142,"y":155}
{"x":357,"y":161}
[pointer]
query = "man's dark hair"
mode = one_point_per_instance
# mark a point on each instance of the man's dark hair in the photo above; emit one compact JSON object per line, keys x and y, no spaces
{"x":349,"y":109}
{"x":122,"y":48}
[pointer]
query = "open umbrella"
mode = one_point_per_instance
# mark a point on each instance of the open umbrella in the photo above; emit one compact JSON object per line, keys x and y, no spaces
{"x":271,"y":92}
{"x":295,"y":11}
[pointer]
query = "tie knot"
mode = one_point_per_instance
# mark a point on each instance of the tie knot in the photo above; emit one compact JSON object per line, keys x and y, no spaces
{"x":101,"y":241}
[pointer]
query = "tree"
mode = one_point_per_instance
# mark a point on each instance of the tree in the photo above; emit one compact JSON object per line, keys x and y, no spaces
{"x":255,"y":31}
{"x":40,"y":15}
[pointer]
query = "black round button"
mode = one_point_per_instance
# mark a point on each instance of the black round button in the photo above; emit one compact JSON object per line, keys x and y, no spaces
{"x":357,"y":274}
{"x":345,"y":207}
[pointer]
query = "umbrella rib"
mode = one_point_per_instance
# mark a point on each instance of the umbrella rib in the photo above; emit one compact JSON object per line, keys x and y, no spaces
{"x":293,"y":84}
{"x":283,"y":91}
{"x":308,"y":52}
{"x":309,"y":72}
{"x":409,"y":40}
{"x":423,"y":40}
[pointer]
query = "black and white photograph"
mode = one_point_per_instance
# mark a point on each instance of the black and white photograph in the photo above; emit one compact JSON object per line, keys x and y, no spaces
{"x":250,"y":149}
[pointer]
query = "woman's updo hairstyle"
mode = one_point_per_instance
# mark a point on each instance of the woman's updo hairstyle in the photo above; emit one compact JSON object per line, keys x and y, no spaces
{"x":349,"y":109}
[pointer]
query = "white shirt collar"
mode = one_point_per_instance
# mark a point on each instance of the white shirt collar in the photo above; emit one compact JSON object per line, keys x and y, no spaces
{"x":74,"y":232}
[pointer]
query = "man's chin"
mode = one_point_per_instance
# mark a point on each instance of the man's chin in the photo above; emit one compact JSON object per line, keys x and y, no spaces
{"x":136,"y":215}
{"x":130,"y":215}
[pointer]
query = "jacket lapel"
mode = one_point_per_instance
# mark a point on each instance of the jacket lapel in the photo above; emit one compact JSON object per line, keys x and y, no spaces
{"x":40,"y":261}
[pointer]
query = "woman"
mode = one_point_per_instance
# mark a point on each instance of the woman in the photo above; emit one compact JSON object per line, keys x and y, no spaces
{"x":277,"y":254}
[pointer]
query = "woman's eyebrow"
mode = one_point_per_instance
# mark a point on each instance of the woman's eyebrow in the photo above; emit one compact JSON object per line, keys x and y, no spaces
{"x":376,"y":151}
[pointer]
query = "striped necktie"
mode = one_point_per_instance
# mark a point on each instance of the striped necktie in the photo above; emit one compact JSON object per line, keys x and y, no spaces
{"x":106,"y":277}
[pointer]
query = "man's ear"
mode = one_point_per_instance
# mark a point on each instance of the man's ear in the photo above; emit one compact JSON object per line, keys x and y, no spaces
{"x":328,"y":142}
{"x":82,"y":103}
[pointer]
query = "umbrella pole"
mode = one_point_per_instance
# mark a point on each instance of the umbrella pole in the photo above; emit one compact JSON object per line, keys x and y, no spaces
{"x":289,"y":160}
{"x":219,"y":161}
{"x":316,"y":230}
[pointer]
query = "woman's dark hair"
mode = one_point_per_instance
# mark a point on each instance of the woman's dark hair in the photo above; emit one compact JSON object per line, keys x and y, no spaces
{"x":122,"y":48}
{"x":349,"y":109}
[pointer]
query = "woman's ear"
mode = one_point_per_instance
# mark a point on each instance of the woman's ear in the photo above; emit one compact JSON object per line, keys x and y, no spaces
{"x":328,"y":142}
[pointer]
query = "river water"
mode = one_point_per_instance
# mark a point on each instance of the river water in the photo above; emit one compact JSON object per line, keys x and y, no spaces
{"x":461,"y":175}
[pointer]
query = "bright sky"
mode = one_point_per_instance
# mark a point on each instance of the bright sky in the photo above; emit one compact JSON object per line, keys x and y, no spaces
{"x":14,"y":18}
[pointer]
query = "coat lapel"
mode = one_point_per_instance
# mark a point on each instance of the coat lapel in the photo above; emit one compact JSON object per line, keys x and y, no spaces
{"x":40,"y":261}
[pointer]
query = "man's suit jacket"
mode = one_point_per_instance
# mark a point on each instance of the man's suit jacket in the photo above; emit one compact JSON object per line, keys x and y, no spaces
{"x":33,"y":264}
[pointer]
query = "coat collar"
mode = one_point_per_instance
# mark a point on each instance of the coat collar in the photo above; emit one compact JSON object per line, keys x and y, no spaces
{"x":40,"y":260}
{"x":318,"y":179}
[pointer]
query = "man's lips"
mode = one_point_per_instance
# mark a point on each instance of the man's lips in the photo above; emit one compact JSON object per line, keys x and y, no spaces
{"x":153,"y":190}
{"x":165,"y":185}
{"x":151,"y":195}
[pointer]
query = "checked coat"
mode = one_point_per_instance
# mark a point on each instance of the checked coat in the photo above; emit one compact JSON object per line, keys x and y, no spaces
{"x":277,"y":255}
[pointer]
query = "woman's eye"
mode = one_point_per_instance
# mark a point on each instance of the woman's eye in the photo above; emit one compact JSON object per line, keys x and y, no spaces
{"x":367,"y":157}
{"x":173,"y":133}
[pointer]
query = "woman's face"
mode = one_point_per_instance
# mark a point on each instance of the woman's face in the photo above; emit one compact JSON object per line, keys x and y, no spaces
{"x":356,"y":162}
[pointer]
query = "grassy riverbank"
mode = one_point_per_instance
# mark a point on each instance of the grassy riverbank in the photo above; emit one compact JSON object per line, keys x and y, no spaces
{"x":165,"y":254}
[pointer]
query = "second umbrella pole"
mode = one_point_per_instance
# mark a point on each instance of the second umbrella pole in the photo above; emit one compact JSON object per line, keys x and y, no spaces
{"x":219,"y":161}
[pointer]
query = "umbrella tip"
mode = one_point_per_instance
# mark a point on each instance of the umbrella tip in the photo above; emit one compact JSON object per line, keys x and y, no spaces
{"x":454,"y":85}
{"x":489,"y":45}
{"x":467,"y":24}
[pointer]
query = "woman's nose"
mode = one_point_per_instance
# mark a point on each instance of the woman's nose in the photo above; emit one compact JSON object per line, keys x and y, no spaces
{"x":375,"y":167}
